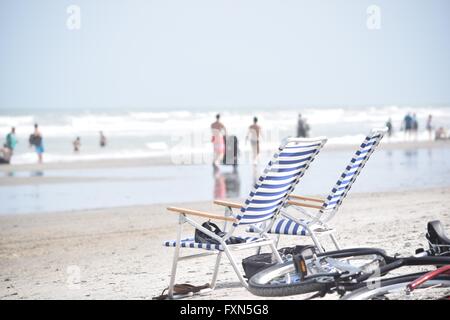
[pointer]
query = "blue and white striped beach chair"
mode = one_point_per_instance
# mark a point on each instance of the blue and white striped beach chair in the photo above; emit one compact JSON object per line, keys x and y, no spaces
{"x":268,"y":196}
{"x":315,"y":223}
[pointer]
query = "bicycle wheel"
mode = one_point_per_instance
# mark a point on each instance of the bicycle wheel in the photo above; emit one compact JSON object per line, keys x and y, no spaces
{"x":283,"y":279}
{"x":396,"y":289}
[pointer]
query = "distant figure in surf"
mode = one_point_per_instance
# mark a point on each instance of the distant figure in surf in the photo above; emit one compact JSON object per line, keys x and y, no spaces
{"x":430,"y":127}
{"x":219,"y":132}
{"x":77,"y":145}
{"x":37,"y":141}
{"x":389,"y":127}
{"x":5,"y":155}
{"x":102,"y":139}
{"x":11,"y":140}
{"x":407,"y":125}
{"x":441,"y":134}
{"x":302,"y":127}
{"x":254,"y":134}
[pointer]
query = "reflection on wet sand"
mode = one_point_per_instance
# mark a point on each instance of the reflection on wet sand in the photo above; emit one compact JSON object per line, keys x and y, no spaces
{"x":411,"y":157}
{"x":37,"y":173}
{"x":226,"y":184}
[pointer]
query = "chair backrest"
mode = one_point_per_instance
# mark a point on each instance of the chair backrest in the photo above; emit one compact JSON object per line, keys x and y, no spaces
{"x":351,"y":172}
{"x":279,"y":179}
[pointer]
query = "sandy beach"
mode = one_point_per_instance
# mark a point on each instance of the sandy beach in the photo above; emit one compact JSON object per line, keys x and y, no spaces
{"x":120,"y":255}
{"x":111,"y":114}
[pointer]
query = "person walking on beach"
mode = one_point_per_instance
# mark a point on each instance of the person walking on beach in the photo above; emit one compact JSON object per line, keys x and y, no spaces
{"x":407,"y":125}
{"x":218,"y":134}
{"x":36,"y":141}
{"x":254,"y":134}
{"x":389,"y":127}
{"x":302,"y":127}
{"x":77,"y":145}
{"x":11,"y":140}
{"x":430,"y":127}
{"x":102,"y":139}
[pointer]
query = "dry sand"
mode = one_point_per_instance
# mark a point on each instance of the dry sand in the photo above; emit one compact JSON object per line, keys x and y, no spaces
{"x":120,"y":255}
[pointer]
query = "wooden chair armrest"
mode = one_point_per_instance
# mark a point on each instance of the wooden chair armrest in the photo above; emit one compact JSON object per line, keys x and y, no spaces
{"x":200,"y":214}
{"x":301,"y":204}
{"x":306,"y":198}
{"x":226,"y":203}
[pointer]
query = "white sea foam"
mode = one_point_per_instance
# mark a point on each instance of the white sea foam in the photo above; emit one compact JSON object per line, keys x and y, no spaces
{"x":145,"y":134}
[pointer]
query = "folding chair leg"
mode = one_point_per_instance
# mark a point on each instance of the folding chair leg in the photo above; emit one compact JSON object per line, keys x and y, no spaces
{"x":336,"y":244}
{"x":277,"y":241}
{"x":175,"y":258}
{"x":216,"y":270}
{"x":276,"y":253}
{"x":235,"y":267}
{"x":315,"y":240}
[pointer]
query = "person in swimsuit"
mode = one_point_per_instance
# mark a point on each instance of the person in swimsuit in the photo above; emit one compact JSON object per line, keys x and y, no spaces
{"x":77,"y":145}
{"x":430,"y":127}
{"x":102,"y":139}
{"x":407,"y":125}
{"x":11,"y":140}
{"x":254,"y":135}
{"x":36,"y":141}
{"x":219,"y":132}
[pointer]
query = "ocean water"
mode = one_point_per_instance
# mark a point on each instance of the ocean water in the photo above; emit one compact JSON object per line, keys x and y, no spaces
{"x":141,"y":134}
{"x":386,"y":171}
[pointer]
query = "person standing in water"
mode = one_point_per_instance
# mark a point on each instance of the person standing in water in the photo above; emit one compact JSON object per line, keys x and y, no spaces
{"x":254,"y":134}
{"x":302,"y":127}
{"x":390,"y":128}
{"x":102,"y":139}
{"x":77,"y":145}
{"x":407,"y":125}
{"x":36,"y":141}
{"x":430,"y":127}
{"x":219,"y":132}
{"x":11,"y":140}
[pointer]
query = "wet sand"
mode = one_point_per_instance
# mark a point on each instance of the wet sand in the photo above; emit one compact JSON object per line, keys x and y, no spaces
{"x":117,"y":163}
{"x":119,"y":251}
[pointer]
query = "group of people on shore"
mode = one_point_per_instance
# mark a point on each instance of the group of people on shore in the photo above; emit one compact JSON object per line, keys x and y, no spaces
{"x":410,"y":127}
{"x":35,"y":141}
{"x":254,"y":136}
{"x":7,"y":150}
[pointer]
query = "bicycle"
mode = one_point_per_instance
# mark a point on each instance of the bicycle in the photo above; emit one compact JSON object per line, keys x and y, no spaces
{"x":356,"y":273}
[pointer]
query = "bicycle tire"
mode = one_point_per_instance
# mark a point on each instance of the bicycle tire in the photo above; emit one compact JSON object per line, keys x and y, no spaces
{"x":396,"y":283}
{"x":259,"y":287}
{"x":261,"y":283}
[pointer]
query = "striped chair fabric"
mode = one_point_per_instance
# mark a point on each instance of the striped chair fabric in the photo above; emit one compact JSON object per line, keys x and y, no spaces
{"x":352,"y":171}
{"x":284,"y":226}
{"x":273,"y":187}
{"x":339,"y":191}
{"x":190,"y":243}
{"x":278,"y":181}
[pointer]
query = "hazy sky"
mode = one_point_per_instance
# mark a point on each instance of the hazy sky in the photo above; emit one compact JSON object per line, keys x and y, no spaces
{"x":181,"y":53}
